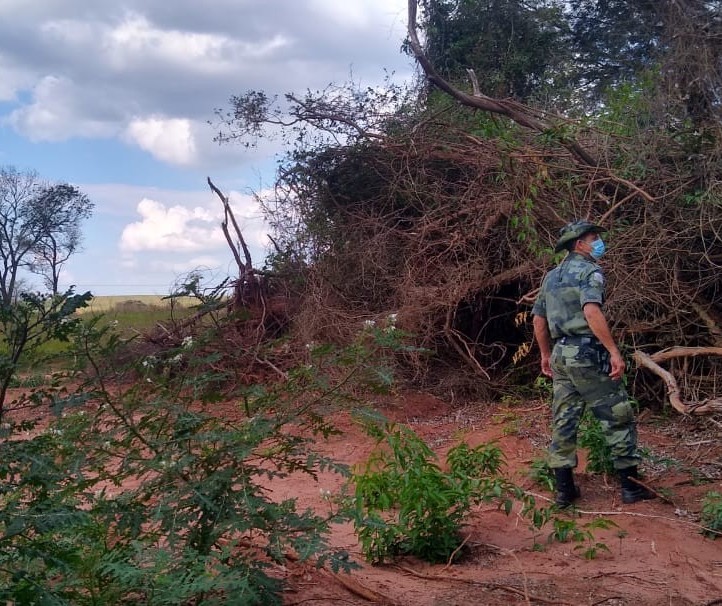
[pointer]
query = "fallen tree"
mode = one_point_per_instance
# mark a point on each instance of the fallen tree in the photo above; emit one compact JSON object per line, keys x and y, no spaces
{"x":443,"y":210}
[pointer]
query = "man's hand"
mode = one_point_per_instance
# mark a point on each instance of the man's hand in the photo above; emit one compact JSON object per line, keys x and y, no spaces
{"x":541,"y":334}
{"x":546,"y":366}
{"x":617,"y":363}
{"x":598,"y":323}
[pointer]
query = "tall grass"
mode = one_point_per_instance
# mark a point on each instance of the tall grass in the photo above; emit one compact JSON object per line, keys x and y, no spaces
{"x":129,"y":315}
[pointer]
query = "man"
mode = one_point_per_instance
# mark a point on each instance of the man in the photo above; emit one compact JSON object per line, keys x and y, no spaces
{"x":579,"y":352}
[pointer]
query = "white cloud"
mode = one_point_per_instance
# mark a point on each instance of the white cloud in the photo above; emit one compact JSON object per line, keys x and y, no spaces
{"x":183,"y":229}
{"x":184,"y":266}
{"x":152,"y":72}
{"x":13,"y":80}
{"x":170,"y":140}
{"x":174,"y":228}
{"x":135,"y":39}
{"x":54,"y":114}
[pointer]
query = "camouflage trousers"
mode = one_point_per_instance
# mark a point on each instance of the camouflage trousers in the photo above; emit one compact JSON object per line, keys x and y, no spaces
{"x":579,"y":382}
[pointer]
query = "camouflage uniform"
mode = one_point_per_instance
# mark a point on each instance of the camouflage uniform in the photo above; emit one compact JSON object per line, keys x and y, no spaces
{"x":580,"y":365}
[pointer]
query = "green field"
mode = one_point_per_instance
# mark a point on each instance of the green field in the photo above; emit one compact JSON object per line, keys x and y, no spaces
{"x":104,"y":304}
{"x":128,"y":315}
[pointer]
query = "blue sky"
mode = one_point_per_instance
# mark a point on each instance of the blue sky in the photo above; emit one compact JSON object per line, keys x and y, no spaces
{"x":115,"y":96}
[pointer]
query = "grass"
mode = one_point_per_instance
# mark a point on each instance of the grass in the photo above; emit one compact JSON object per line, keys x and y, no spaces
{"x":130,"y":315}
{"x":104,"y":304}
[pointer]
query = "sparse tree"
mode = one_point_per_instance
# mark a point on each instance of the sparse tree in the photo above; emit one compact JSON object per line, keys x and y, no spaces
{"x":39,"y":227}
{"x":63,"y":208}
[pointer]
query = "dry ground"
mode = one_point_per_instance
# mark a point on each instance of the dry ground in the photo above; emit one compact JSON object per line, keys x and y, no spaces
{"x":657,"y":554}
{"x":660,"y":558}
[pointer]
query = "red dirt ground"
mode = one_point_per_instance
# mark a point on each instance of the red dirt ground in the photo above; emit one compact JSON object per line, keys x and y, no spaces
{"x":662,"y":558}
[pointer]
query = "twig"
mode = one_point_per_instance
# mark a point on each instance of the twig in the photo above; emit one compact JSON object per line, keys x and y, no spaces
{"x":433,"y":577}
{"x":275,"y":368}
{"x":652,"y":490}
{"x":523,"y":574}
{"x":453,"y":553}
{"x":540,"y":407}
{"x":325,"y":599}
{"x":362,"y":591}
{"x":646,"y":515}
{"x":673,"y":391}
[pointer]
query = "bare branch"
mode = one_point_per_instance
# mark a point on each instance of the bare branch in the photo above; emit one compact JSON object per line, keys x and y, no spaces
{"x":673,"y":391}
{"x":248,"y":267}
{"x":517,"y":112}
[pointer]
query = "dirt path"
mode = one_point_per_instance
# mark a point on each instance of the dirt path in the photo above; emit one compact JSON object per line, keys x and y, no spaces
{"x":656,"y":554}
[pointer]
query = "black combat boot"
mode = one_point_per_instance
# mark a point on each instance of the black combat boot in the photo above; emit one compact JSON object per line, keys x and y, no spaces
{"x":567,"y":492}
{"x":631,"y":491}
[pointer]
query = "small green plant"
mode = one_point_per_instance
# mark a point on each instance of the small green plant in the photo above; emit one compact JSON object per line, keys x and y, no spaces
{"x":544,"y":387}
{"x":591,"y":437}
{"x":621,"y":535}
{"x":542,"y":474}
{"x":566,"y":530}
{"x":711,"y":518}
{"x":406,"y":504}
{"x":538,"y":518}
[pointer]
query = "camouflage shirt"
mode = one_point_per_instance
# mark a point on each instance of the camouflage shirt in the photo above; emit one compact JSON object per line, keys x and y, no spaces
{"x":565,"y":290}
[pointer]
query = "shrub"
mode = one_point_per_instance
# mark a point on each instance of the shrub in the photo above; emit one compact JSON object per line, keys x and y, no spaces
{"x":711,"y":517}
{"x":406,"y":504}
{"x":147,"y":498}
{"x":591,"y":437}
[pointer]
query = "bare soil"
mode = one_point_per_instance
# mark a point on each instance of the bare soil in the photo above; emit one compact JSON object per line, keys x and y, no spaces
{"x":657,"y":554}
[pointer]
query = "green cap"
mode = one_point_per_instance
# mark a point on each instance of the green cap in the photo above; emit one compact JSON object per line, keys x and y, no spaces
{"x":574,"y":230}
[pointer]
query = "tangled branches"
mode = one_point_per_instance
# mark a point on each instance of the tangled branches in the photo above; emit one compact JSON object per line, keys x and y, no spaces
{"x":454,"y":232}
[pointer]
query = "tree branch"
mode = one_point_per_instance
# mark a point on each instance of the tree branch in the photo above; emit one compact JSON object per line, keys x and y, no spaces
{"x":673,"y":392}
{"x":515,"y":111}
{"x":229,"y":213}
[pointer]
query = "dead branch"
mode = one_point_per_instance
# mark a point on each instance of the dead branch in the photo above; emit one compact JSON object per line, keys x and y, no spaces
{"x":685,"y":352}
{"x":673,"y":392}
{"x":488,"y":585}
{"x":224,"y":225}
{"x":356,"y":588}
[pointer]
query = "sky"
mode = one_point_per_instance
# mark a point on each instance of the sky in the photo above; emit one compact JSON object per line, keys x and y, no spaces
{"x":118,"y":97}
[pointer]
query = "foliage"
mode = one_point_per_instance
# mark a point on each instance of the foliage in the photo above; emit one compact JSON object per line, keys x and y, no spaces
{"x":406,"y":504}
{"x":29,"y":324}
{"x":614,"y":41}
{"x":40,"y":226}
{"x":566,"y":530}
{"x":591,"y":436}
{"x":542,"y":474}
{"x":400,"y":201}
{"x":511,"y":46}
{"x":711,"y":517}
{"x":64,"y":208}
{"x":147,"y":497}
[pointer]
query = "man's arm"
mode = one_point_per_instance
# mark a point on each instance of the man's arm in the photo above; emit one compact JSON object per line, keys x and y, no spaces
{"x":542,"y":336}
{"x":598,"y":323}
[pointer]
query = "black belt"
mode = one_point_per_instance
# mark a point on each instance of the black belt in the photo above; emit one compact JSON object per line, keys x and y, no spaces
{"x":577,"y":340}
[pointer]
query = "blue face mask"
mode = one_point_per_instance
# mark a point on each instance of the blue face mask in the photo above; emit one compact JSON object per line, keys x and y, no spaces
{"x":598,"y":249}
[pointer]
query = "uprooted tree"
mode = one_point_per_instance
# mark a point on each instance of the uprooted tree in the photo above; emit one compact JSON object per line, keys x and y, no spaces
{"x":442,"y":204}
